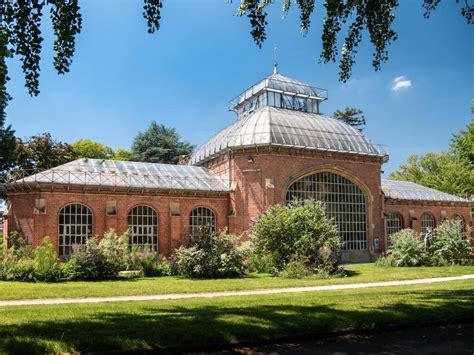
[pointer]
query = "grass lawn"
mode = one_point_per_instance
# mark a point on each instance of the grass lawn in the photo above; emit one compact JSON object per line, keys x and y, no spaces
{"x":162,"y":285}
{"x":191,"y":322}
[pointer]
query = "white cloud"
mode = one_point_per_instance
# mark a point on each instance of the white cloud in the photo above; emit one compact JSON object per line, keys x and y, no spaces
{"x":400,"y":83}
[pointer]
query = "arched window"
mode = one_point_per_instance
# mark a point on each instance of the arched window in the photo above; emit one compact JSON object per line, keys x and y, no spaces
{"x":460,"y":220}
{"x":75,"y":226}
{"x":394,"y":222}
{"x":200,"y":217}
{"x":345,"y":202}
{"x":427,"y":223}
{"x":143,"y":227}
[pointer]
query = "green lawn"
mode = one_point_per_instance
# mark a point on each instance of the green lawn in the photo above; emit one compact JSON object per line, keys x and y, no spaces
{"x":191,"y":322}
{"x":161,"y":285}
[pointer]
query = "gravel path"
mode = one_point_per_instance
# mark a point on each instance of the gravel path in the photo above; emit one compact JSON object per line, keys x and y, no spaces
{"x":270,"y":291}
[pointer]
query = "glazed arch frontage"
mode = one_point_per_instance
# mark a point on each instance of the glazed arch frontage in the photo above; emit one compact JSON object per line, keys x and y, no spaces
{"x":344,"y":201}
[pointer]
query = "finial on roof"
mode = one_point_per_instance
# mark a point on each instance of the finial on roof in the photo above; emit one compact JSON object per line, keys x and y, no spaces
{"x":275,"y":61}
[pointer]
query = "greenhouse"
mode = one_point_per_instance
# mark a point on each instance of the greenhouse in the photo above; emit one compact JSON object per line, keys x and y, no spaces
{"x":280,"y":148}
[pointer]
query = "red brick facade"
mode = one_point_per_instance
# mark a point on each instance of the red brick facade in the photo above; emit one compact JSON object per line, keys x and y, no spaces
{"x":258,"y":179}
{"x":411,"y":212}
{"x":171,"y":229}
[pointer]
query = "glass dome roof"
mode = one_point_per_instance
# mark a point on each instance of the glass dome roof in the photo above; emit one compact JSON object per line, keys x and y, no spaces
{"x":281,"y":111}
{"x":271,"y":126}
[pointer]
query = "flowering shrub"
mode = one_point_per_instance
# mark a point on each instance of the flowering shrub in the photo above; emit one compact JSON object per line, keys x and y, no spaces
{"x":149,"y":263}
{"x":407,"y":249}
{"x":450,"y":245}
{"x":210,"y":255}
{"x":445,"y":245}
{"x":95,"y":260}
{"x":21,"y":262}
{"x":98,"y":260}
{"x":46,"y":266}
{"x":299,"y":233}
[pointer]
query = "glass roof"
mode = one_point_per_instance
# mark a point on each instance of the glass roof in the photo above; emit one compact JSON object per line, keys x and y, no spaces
{"x":281,"y":127}
{"x":405,"y":190}
{"x":111,"y":173}
{"x":279,"y":83}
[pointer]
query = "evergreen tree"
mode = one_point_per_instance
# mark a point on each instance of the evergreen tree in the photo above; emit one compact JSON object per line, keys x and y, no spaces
{"x":159,"y":144}
{"x":351,"y":116}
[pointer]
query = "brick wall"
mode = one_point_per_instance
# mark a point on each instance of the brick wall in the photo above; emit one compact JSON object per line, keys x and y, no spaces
{"x":170,"y":228}
{"x":438,"y":210}
{"x":263,"y":176}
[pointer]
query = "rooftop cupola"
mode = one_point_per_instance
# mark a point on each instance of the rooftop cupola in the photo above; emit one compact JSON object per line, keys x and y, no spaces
{"x":279,"y":91}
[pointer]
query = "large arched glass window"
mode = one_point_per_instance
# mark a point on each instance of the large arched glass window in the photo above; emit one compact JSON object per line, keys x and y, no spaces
{"x":345,"y":202}
{"x":201,"y":217}
{"x":75,"y":226}
{"x":143,"y":227}
{"x":457,"y":218}
{"x":427,"y":223}
{"x":394,"y":223}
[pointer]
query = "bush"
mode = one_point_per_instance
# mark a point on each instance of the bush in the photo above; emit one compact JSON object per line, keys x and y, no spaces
{"x":115,"y":252}
{"x":98,"y":260}
{"x":16,"y":268}
{"x":16,"y":262}
{"x":211,"y":255}
{"x":46,"y":267}
{"x":445,"y":245}
{"x":16,"y":240}
{"x":150,"y":264}
{"x":262,"y":264}
{"x":406,"y":249}
{"x":299,"y":232}
{"x":449,"y":246}
{"x":297,"y":269}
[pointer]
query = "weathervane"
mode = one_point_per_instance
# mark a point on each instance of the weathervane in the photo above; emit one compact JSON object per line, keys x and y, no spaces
{"x":275,"y":61}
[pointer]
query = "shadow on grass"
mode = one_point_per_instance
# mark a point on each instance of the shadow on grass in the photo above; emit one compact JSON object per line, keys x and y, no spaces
{"x":110,"y":327}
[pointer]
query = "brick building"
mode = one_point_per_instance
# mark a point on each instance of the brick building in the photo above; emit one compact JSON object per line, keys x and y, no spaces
{"x":280,"y":148}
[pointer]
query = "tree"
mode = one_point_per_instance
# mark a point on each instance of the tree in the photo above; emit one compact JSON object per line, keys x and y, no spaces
{"x":441,"y":171}
{"x":351,"y":116}
{"x":122,"y":154}
{"x":462,"y":144}
{"x":42,"y":152}
{"x":86,"y":148}
{"x":159,"y":144}
{"x":21,"y":22}
{"x":7,"y":135}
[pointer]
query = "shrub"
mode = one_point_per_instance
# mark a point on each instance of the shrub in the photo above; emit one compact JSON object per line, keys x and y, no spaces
{"x":16,"y":267}
{"x":16,"y":240}
{"x":16,"y":262}
{"x":445,"y":245}
{"x":98,"y":260}
{"x":449,"y":246}
{"x":115,"y":252}
{"x":152,"y":265}
{"x":297,"y":269}
{"x":46,"y":267}
{"x":297,"y":232}
{"x":262,"y":264}
{"x":74,"y":270}
{"x":211,"y":255}
{"x":406,"y":249}
{"x":85,"y":262}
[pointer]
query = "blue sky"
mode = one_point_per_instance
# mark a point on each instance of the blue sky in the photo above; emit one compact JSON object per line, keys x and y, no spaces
{"x":203,"y":56}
